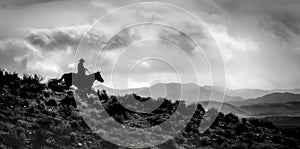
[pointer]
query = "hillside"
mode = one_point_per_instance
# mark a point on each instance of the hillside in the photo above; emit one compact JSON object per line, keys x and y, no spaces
{"x":259,"y":110}
{"x":255,"y":93}
{"x":270,"y":98}
{"x":276,"y":98}
{"x":273,"y":109}
{"x":247,"y":93}
{"x":284,"y":121}
{"x":225,"y":107}
{"x":36,"y":115}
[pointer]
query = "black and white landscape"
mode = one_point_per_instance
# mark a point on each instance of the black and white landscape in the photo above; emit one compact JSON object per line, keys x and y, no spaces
{"x":149,"y":74}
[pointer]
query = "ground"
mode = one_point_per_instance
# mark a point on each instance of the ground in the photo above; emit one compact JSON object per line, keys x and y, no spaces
{"x":36,"y":115}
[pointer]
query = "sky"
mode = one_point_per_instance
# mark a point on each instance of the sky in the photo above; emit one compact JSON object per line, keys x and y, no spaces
{"x":252,"y":44}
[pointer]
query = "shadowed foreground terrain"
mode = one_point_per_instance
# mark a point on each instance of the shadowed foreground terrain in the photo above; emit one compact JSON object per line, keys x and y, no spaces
{"x":36,"y":115}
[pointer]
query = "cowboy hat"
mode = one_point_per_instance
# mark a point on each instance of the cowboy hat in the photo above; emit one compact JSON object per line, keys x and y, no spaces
{"x":81,"y":60}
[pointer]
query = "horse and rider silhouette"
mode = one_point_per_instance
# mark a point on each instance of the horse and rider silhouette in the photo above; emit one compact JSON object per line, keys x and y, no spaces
{"x":81,"y":80}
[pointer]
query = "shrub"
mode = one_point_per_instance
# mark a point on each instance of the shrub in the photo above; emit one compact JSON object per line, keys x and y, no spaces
{"x":241,"y":128}
{"x":254,"y":122}
{"x":268,"y":124}
{"x":231,"y":118}
{"x":31,"y":86}
{"x":56,"y":85}
{"x":244,"y":120}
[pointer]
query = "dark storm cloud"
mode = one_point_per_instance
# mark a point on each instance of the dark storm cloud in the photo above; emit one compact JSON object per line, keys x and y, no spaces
{"x":288,"y":20}
{"x":186,"y":40}
{"x":123,"y":39}
{"x":9,"y":3}
{"x":280,"y":18}
{"x":60,"y":38}
{"x":180,"y":39}
{"x":286,"y":26}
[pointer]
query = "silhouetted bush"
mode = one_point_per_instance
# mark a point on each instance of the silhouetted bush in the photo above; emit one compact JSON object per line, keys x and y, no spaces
{"x":31,"y":86}
{"x":231,"y":118}
{"x":254,"y":122}
{"x":241,"y":128}
{"x":244,"y":121}
{"x":268,"y":124}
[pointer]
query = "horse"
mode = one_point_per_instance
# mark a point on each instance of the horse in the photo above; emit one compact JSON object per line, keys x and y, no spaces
{"x":81,"y":82}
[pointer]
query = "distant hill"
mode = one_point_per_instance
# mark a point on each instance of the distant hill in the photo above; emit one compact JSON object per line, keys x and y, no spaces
{"x":272,"y":109}
{"x":255,"y":93}
{"x":225,"y":107}
{"x":192,"y":92}
{"x":247,"y":93}
{"x":281,"y":104}
{"x":189,"y":92}
{"x":262,"y":109}
{"x":277,"y":98}
{"x":270,"y":98}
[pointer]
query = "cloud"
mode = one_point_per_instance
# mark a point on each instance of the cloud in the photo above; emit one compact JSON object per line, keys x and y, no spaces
{"x":60,"y":38}
{"x":15,"y":54}
{"x":15,"y":20}
{"x":12,"y":3}
{"x":284,"y":25}
{"x":278,"y":18}
{"x":19,"y":55}
{"x":48,"y":52}
{"x":122,"y":39}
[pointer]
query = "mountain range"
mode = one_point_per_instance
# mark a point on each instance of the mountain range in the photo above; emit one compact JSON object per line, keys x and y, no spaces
{"x":244,"y":102}
{"x":255,"y":93}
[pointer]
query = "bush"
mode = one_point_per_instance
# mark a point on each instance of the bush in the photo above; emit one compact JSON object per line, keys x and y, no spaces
{"x":254,"y":122}
{"x":244,"y":120}
{"x":56,"y":86}
{"x":231,"y":118}
{"x":241,"y":128}
{"x":268,"y":124}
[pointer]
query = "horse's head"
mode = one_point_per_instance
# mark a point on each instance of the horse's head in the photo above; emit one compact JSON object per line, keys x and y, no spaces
{"x":98,"y":77}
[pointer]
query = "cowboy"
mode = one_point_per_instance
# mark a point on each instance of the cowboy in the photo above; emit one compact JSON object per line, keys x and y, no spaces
{"x":81,"y":69}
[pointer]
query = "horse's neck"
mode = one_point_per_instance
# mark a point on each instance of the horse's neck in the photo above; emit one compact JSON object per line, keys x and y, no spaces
{"x":91,"y":76}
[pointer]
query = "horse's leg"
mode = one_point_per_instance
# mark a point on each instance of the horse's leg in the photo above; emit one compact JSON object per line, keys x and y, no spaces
{"x":68,"y":85}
